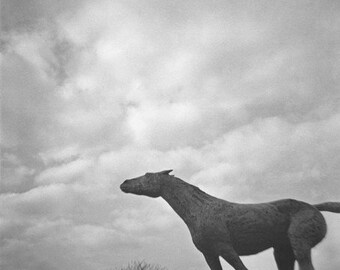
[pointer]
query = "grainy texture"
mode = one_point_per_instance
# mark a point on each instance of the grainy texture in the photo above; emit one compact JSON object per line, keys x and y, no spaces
{"x":224,"y":229}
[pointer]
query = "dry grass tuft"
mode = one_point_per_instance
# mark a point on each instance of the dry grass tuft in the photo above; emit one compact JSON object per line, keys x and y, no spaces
{"x":141,"y":265}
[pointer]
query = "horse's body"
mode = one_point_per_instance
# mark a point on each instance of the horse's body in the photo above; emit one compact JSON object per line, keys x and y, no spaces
{"x":226,"y":229}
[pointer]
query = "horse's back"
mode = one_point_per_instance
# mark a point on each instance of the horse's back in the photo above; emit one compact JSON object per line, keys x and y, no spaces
{"x":291,"y":206}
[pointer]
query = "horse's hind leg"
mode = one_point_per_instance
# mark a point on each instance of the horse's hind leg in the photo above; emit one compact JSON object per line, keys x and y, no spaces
{"x":304,"y":260}
{"x":284,"y":258}
{"x":307,"y":229}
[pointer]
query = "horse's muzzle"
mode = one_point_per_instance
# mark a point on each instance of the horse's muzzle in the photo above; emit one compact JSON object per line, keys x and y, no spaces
{"x":124,"y":186}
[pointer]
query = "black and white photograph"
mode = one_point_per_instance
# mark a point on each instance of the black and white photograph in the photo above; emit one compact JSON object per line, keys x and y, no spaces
{"x":170,"y":135}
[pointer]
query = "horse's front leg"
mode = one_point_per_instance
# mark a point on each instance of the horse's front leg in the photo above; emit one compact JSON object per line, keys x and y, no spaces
{"x":229,"y":254}
{"x":213,"y":262}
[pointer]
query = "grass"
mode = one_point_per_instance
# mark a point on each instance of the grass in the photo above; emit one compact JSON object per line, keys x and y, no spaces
{"x":141,"y":265}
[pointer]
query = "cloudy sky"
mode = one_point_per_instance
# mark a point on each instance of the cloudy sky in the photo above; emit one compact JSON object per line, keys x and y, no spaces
{"x":238,"y":97}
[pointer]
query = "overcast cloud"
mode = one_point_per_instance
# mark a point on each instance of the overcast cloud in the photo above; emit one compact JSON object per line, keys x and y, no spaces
{"x":238,"y":97}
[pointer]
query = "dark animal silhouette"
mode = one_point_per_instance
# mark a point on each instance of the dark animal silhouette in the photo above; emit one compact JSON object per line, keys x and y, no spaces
{"x":226,"y":229}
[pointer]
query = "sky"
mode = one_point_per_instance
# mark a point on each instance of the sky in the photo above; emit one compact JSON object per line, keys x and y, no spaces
{"x":240,"y":98}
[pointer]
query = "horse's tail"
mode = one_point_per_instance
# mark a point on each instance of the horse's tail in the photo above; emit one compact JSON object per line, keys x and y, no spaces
{"x":328,"y":206}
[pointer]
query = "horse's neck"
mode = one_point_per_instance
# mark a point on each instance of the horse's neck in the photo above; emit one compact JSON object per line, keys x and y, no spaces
{"x":188,"y":201}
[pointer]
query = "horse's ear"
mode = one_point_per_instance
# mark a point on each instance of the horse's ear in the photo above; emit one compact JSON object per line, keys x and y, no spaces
{"x":166,"y":172}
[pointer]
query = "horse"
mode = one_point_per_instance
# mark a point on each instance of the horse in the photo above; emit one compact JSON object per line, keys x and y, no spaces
{"x":220,"y":228}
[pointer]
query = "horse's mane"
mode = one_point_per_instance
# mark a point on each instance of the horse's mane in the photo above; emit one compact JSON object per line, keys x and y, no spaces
{"x":193,"y":192}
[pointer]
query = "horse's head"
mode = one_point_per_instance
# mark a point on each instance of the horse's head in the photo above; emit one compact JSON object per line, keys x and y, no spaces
{"x":148,"y":184}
